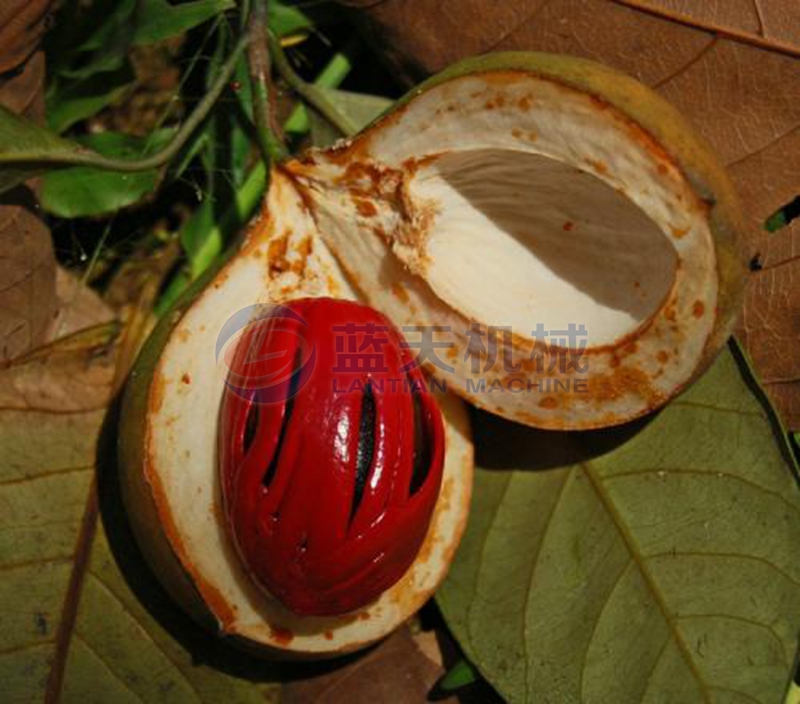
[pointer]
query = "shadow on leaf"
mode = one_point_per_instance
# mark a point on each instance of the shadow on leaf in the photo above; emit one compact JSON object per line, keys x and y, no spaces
{"x":503,"y":445}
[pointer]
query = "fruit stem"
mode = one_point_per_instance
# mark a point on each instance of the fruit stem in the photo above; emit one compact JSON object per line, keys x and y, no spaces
{"x":331,"y":76}
{"x":268,"y":130}
{"x":308,"y":91}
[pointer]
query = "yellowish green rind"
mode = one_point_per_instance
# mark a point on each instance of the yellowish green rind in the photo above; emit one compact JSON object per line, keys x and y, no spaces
{"x":133,"y":456}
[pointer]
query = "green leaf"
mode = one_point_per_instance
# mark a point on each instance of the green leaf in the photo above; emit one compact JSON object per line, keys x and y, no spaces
{"x":22,"y":139}
{"x":244,"y":91}
{"x":201,"y":240}
{"x":793,"y":695}
{"x":288,"y":19}
{"x":783,"y":216}
{"x":70,"y":101}
{"x":81,"y":191}
{"x":229,"y":145}
{"x":76,"y":596}
{"x":86,"y":40}
{"x":156,"y":20}
{"x":656,"y":562}
{"x":458,"y":676}
{"x":88,"y":54}
{"x":360,"y":108}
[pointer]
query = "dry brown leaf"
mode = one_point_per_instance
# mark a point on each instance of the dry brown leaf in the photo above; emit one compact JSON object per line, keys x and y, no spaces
{"x":79,"y":306}
{"x":22,"y":24}
{"x":403,"y":669}
{"x":21,"y":91}
{"x":53,"y":376}
{"x":58,"y":377}
{"x":27,"y":265}
{"x":395,"y":671}
{"x":731,"y":66}
{"x":27,"y":281}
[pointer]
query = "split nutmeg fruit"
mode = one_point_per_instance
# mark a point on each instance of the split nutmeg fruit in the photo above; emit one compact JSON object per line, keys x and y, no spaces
{"x":528,"y":192}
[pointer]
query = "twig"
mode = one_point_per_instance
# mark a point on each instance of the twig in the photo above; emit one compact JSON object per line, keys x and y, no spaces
{"x":268,"y":130}
{"x":309,"y":92}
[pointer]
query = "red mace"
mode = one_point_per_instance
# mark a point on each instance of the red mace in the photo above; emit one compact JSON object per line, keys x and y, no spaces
{"x":331,"y":455}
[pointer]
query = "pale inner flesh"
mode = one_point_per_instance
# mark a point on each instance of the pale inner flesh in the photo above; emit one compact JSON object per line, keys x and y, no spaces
{"x":520,"y":239}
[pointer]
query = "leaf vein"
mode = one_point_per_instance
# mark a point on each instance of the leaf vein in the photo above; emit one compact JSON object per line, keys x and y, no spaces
{"x":43,"y":475}
{"x":742,"y":619}
{"x":658,"y":597}
{"x":762,"y":149}
{"x":688,"y":64}
{"x":524,"y":21}
{"x":730,"y":33}
{"x":709,"y":475}
{"x":9,"y":567}
{"x":52,"y":411}
{"x":596,"y":623}
{"x":760,"y":17}
{"x":724,"y":556}
{"x":649,"y":679}
{"x":738,"y":692}
{"x":108,"y":667}
{"x":69,"y":609}
{"x":110,"y":591}
{"x":719,"y":409}
{"x":482,"y":555}
{"x":26,"y":646}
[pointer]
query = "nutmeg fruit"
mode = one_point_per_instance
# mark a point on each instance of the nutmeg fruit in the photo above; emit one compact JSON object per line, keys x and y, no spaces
{"x":555,"y":210}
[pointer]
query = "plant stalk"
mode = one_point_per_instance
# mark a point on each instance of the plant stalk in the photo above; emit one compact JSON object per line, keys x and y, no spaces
{"x":268,"y":131}
{"x":308,"y":91}
{"x":331,"y":76}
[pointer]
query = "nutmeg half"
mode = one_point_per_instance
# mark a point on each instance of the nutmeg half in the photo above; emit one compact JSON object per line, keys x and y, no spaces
{"x":168,"y":453}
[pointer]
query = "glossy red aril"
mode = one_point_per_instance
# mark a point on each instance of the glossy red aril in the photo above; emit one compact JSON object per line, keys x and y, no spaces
{"x":331,"y":455}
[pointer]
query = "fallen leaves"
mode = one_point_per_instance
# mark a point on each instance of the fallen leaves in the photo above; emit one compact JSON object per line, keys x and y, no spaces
{"x":406,"y":668}
{"x":22,"y":24}
{"x":81,"y":616}
{"x":653,"y":562}
{"x":27,"y":264}
{"x":27,"y":279}
{"x":395,"y":671}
